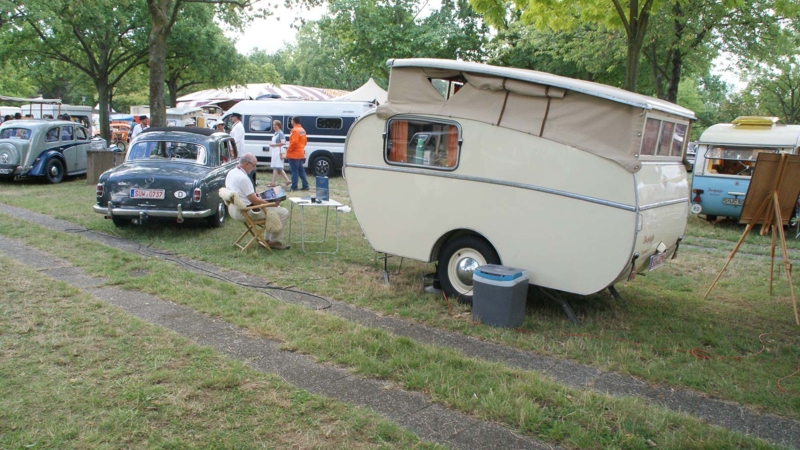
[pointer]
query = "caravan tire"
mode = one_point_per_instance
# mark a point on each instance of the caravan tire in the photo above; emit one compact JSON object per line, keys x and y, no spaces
{"x":457,"y":259}
{"x":322,"y":166}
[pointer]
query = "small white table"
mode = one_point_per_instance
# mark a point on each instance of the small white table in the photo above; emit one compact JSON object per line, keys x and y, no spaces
{"x":304,"y":203}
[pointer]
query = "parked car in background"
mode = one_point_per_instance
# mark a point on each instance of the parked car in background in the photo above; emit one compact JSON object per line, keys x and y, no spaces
{"x":170,"y":172}
{"x":691,"y":154}
{"x":43,"y":148}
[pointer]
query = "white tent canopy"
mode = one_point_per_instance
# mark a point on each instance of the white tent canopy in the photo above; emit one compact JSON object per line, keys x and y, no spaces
{"x":369,"y":92}
{"x":256,"y":90}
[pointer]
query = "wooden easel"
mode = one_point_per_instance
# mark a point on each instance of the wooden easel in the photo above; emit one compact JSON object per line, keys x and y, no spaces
{"x":776,"y":201}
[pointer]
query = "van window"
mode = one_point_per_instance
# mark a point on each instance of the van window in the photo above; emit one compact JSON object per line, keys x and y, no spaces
{"x":421,"y":142}
{"x":333,"y":123}
{"x":260,"y":124}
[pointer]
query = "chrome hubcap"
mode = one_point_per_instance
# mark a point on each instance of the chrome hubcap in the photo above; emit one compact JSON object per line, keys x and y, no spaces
{"x":464,"y":269}
{"x":54,"y":171}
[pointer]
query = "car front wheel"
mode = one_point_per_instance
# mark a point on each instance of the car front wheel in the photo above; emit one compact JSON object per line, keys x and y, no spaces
{"x":54,"y":171}
{"x":458,"y":259}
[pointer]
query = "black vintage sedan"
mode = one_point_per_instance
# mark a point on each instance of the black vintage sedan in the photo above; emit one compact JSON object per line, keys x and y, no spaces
{"x":169,"y":172}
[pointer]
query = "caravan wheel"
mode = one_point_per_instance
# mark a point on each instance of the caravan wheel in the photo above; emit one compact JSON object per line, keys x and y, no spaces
{"x":458,"y":259}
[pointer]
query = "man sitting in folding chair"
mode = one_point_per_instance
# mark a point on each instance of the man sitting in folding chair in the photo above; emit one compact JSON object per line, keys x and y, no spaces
{"x":238,"y":181}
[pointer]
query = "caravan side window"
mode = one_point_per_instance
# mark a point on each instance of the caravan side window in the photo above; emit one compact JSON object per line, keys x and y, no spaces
{"x":260,"y":124}
{"x":663,"y":138}
{"x":421,"y":142}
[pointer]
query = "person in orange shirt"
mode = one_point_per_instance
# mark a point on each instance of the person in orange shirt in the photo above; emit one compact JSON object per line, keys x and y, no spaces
{"x":296,"y":154}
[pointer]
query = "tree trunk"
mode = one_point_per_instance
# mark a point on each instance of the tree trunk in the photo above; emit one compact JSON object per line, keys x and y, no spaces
{"x":172,"y":87}
{"x":159,"y":12}
{"x":676,"y":64}
{"x":104,"y":94}
{"x":632,"y":62}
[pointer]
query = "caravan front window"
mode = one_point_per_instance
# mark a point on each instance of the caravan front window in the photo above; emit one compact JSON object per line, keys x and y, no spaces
{"x":725,"y":160}
{"x":422,"y":142}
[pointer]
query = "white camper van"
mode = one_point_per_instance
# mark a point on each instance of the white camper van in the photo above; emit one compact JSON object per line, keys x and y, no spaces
{"x":579,"y":183}
{"x":326,"y":124}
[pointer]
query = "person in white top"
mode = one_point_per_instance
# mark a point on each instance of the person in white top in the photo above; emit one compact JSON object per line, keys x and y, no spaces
{"x":238,"y":181}
{"x":237,"y":132}
{"x":277,"y":155}
{"x":144,"y":123}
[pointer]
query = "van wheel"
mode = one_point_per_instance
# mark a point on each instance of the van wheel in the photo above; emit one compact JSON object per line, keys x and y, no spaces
{"x":218,"y":219}
{"x":458,"y":259}
{"x":54,"y":171}
{"x":323,"y":166}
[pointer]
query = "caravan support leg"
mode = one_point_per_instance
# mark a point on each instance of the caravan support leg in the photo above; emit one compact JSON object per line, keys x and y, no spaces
{"x":556,"y":297}
{"x":614,"y":293}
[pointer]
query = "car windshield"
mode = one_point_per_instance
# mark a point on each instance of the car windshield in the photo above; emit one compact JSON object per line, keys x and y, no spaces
{"x":169,"y":150}
{"x":15,"y":133}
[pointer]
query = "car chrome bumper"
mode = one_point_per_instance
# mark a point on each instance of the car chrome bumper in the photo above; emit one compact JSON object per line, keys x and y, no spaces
{"x":136,"y":212}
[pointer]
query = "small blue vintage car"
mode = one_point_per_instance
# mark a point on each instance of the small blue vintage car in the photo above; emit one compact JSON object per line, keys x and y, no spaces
{"x":169,"y":172}
{"x":43,"y":148}
{"x":726,"y":159}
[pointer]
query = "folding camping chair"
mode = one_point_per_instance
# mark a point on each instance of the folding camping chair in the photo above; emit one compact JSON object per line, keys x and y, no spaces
{"x":254,"y":228}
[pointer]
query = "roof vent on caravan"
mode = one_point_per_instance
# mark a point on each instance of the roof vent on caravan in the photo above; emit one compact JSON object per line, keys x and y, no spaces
{"x":755,"y":121}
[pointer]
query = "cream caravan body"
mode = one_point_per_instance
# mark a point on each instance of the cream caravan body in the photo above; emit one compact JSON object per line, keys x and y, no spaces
{"x":579,"y":183}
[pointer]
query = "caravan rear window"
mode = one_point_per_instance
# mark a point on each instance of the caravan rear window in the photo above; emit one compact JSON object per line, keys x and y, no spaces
{"x":421,"y":142}
{"x":663,"y":138}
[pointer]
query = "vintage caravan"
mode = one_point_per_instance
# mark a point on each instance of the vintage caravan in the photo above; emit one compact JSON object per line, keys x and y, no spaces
{"x":726,"y":158}
{"x":579,"y":183}
{"x":326,"y":124}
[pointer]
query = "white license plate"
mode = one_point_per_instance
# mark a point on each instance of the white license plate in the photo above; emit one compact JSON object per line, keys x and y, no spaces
{"x":733,"y":201}
{"x":657,"y":260}
{"x":6,"y":170}
{"x":154,"y":194}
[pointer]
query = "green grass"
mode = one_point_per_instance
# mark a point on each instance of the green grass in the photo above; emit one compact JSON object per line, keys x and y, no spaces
{"x":526,"y":401}
{"x":649,"y":334}
{"x":76,"y":373}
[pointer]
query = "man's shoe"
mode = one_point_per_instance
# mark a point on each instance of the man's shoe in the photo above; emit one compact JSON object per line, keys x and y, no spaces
{"x":277,"y":246}
{"x":305,"y":188}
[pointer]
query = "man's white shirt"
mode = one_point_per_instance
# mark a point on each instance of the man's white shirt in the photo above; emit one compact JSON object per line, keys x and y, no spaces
{"x":237,"y":133}
{"x":238,"y":181}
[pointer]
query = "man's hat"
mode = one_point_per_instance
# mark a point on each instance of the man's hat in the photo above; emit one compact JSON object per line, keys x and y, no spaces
{"x":142,"y":117}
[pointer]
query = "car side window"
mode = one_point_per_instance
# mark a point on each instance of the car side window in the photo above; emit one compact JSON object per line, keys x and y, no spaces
{"x":67,"y":134}
{"x":224,"y":152}
{"x":80,"y":134}
{"x":52,"y":135}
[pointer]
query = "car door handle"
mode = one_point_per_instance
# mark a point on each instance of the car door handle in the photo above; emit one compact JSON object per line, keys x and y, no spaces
{"x":736,"y":193}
